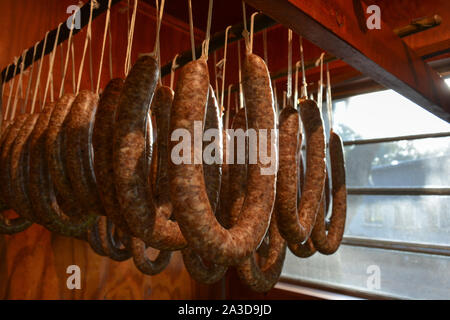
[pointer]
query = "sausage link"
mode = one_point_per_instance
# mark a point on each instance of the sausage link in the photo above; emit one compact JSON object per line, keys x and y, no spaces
{"x":238,"y":172}
{"x":10,"y":226}
{"x":110,"y":246}
{"x":329,"y":243}
{"x":187,"y":186}
{"x":296,"y":224}
{"x":143,"y":263}
{"x":263,"y":278}
{"x":55,"y":147}
{"x":20,"y":165}
{"x":201,"y":271}
{"x":93,"y":238}
{"x":102,"y":141}
{"x":5,"y":130}
{"x":79,"y":155}
{"x":213,"y":172}
{"x":145,"y":219}
{"x":308,"y":249}
{"x":273,"y":248}
{"x":51,"y":212}
{"x":161,"y":105}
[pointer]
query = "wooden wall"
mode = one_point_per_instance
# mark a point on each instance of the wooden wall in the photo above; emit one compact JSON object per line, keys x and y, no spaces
{"x":33,"y":263}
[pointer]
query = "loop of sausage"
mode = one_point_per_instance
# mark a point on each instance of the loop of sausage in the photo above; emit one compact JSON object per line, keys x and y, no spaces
{"x":110,"y":246}
{"x":259,"y":279}
{"x":187,"y":187}
{"x":145,"y":219}
{"x":79,"y":156}
{"x":161,"y":105}
{"x":206,"y":273}
{"x":143,"y":263}
{"x":263,"y":278}
{"x":55,"y":147}
{"x":213,"y":172}
{"x":308,"y":248}
{"x":329,"y":243}
{"x":10,"y":226}
{"x":102,"y":141}
{"x":201,"y":271}
{"x":42,"y":193}
{"x":20,"y":164}
{"x":93,"y":238}
{"x":297,"y":222}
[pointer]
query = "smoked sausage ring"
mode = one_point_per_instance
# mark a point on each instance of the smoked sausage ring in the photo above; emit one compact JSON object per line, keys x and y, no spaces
{"x":187,"y":186}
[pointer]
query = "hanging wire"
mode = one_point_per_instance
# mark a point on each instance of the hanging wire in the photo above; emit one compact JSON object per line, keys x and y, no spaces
{"x":107,"y":24}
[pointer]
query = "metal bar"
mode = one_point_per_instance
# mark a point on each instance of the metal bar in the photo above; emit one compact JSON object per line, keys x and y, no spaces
{"x":423,"y":248}
{"x":399,"y":138}
{"x":395,"y":139}
{"x":399,"y":191}
{"x":63,"y":36}
{"x":337,"y":288}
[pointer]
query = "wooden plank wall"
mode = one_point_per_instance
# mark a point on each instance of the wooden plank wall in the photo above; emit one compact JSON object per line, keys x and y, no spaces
{"x":33,"y":263}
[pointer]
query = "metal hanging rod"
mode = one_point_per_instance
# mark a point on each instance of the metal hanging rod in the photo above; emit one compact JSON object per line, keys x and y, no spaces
{"x":399,"y":138}
{"x":424,"y":248}
{"x":391,"y":191}
{"x":63,"y":36}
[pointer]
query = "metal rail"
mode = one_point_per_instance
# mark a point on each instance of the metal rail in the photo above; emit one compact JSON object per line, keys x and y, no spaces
{"x":399,"y":191}
{"x":412,"y":247}
{"x":399,"y":138}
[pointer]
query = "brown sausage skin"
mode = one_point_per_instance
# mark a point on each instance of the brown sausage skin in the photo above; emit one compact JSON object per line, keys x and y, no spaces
{"x":258,"y":278}
{"x":263,"y":278}
{"x":329,"y":243}
{"x":10,"y":226}
{"x":147,"y":221}
{"x":209,"y":273}
{"x":55,"y":147}
{"x":79,"y":156}
{"x":187,"y":188}
{"x":306,"y":249}
{"x":213,"y":172}
{"x":296,"y":224}
{"x":143,"y":263}
{"x":20,"y":164}
{"x":238,"y":172}
{"x":43,"y":196}
{"x":161,"y":105}
{"x":102,"y":141}
{"x":111,"y":247}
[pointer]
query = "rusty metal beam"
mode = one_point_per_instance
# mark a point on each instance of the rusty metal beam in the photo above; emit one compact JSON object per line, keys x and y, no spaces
{"x":339,"y":28}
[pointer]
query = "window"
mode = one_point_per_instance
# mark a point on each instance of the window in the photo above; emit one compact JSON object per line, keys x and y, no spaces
{"x":398,"y":219}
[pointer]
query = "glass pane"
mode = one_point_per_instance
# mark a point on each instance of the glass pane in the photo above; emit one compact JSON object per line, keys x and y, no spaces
{"x":424,"y":219}
{"x":415,"y":163}
{"x":383,"y":114}
{"x":400,"y":274}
